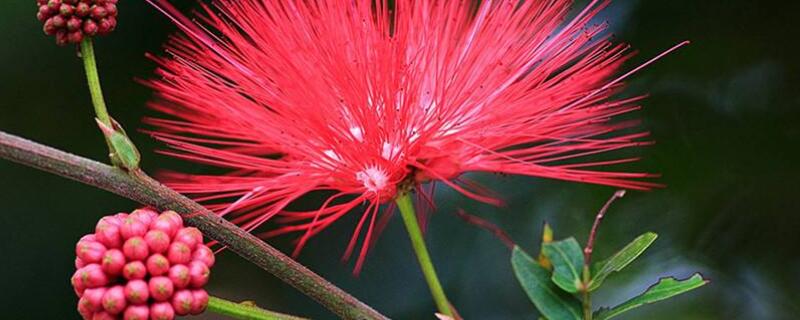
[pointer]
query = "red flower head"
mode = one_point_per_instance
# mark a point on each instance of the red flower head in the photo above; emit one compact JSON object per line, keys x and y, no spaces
{"x":363,"y":99}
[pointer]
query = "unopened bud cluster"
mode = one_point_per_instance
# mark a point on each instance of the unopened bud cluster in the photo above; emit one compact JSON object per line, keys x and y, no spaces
{"x":142,"y":266}
{"x":70,"y":21}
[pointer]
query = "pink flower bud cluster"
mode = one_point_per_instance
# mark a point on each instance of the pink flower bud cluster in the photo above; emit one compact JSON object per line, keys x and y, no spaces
{"x":70,"y":21}
{"x":142,"y":266}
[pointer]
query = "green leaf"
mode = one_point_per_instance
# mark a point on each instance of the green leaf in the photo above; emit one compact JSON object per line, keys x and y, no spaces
{"x":664,"y":289}
{"x":551,"y":302}
{"x":567,"y":258}
{"x":621,"y":259}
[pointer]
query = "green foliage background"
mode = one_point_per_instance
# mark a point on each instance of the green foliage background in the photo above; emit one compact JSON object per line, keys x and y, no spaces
{"x":724,"y":112}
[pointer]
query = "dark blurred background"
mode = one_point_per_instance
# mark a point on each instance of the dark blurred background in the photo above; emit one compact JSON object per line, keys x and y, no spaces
{"x":724,"y":112}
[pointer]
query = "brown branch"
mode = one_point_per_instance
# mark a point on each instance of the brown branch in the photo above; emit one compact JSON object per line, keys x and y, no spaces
{"x":147,"y":191}
{"x":587,"y":253}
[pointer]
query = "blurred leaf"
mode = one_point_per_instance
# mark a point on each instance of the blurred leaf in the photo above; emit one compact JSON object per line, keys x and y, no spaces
{"x":547,"y":237}
{"x":664,"y":289}
{"x":551,"y":302}
{"x":621,"y":259}
{"x":567,"y":258}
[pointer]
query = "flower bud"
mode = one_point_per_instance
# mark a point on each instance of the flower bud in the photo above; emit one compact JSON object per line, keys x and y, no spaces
{"x":199,"y":274}
{"x":103,"y":315}
{"x":132,"y":227}
{"x":92,"y":276}
{"x":179,"y":252}
{"x":157,"y":241}
{"x":113,"y":262}
{"x":90,"y":251}
{"x":114,"y":300}
{"x":190,"y":236}
{"x":162,"y":311}
{"x":157,"y":265}
{"x":135,"y":249}
{"x":137,"y":313}
{"x":70,"y":21}
{"x":182,"y":302}
{"x":137,"y":291}
{"x":179,"y":275}
{"x":199,"y":301}
{"x":134,"y":270}
{"x":161,"y":288}
{"x":93,"y":298}
{"x":108,"y":235}
{"x":204,"y":255}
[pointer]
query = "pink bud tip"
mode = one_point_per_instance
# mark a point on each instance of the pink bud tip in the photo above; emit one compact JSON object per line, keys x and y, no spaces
{"x":134,"y":270}
{"x":103,"y":315}
{"x":137,"y":313}
{"x":161,"y":288}
{"x":200,"y":301}
{"x":204,"y":255}
{"x":114,"y":300}
{"x":182,"y":302}
{"x":90,"y":251}
{"x":137,"y":291}
{"x":136,"y":249}
{"x":92,"y":276}
{"x":157,"y":240}
{"x":190,"y":236}
{"x":113,"y":262}
{"x":179,"y":252}
{"x":146,"y":216}
{"x":93,"y":298}
{"x":157,"y":265}
{"x":108,"y":235}
{"x":162,"y":311}
{"x":164,"y":224}
{"x":132,"y":227}
{"x":199,"y":274}
{"x":179,"y":275}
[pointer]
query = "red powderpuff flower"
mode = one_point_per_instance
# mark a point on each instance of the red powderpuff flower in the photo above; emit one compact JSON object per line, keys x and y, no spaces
{"x":113,"y":282}
{"x":364,"y":99}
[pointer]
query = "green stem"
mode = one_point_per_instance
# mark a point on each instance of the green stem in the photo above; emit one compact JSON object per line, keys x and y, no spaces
{"x":93,"y":78}
{"x":587,"y":297}
{"x":418,"y":242}
{"x":244,"y":311}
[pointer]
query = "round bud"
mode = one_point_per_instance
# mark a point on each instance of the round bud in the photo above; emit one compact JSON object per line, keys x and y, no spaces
{"x":157,"y":265}
{"x":199,"y":274}
{"x":114,"y":300}
{"x":146,"y":216}
{"x":182,"y":302}
{"x":137,"y":291}
{"x":162,"y":311}
{"x":90,"y":251}
{"x":132,"y":227}
{"x":103,"y":315}
{"x":93,"y":298}
{"x":157,"y":241}
{"x":204,"y":255}
{"x":179,"y":275}
{"x":161,"y":288}
{"x":136,"y":249}
{"x":136,"y":313}
{"x":113,"y":262}
{"x":199,"y":301}
{"x":92,"y":276}
{"x":108,"y":235}
{"x":179,"y":252}
{"x":190,"y":236}
{"x":134,"y":270}
{"x":164,"y":224}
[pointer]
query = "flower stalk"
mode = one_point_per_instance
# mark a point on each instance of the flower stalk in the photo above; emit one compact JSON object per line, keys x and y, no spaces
{"x":145,"y":190}
{"x":418,"y":242}
{"x":244,"y":311}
